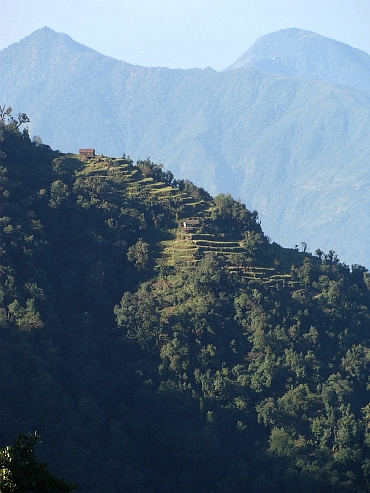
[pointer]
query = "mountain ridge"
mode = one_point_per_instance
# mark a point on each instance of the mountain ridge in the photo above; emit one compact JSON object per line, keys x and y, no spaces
{"x":282,"y":144}
{"x":307,"y":55}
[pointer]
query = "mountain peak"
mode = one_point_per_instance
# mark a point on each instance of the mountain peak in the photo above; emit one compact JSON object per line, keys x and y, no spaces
{"x":306,"y":55}
{"x":44,"y":29}
{"x":47,"y":39}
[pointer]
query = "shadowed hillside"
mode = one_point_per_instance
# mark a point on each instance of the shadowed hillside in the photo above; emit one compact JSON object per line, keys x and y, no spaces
{"x":158,"y":341}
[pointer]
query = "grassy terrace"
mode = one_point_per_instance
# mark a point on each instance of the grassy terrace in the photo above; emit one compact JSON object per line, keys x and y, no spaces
{"x":189,"y":244}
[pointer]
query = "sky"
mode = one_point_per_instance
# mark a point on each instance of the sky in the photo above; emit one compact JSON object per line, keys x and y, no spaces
{"x":183,"y":33}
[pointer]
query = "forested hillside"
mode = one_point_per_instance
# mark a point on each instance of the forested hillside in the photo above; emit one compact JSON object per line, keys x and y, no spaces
{"x":293,"y":145}
{"x":158,"y":341}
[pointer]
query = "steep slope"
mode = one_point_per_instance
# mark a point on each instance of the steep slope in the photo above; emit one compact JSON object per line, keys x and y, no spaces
{"x":158,"y":342}
{"x":296,"y":150}
{"x":307,"y":55}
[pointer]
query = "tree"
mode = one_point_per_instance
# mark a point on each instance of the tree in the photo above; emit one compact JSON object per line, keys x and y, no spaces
{"x":281,"y":443}
{"x":319,"y":253}
{"x":225,"y":208}
{"x":331,"y":257}
{"x":139,"y":253}
{"x":21,"y":473}
{"x":6,"y":113}
{"x":137,"y":316}
{"x":251,"y":241}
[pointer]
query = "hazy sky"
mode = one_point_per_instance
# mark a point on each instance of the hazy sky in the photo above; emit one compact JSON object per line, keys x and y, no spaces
{"x":183,"y":33}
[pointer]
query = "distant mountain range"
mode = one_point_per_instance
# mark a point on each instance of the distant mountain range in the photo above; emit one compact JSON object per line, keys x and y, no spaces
{"x":285,"y":128}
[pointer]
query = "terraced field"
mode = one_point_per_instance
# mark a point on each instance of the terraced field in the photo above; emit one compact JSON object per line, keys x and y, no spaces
{"x":189,"y":243}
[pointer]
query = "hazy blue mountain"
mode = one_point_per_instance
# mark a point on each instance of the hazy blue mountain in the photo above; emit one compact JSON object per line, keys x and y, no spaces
{"x":296,"y":150}
{"x":307,"y":55}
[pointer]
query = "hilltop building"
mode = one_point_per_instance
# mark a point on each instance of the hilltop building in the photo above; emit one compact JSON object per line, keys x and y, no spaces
{"x":87,"y":152}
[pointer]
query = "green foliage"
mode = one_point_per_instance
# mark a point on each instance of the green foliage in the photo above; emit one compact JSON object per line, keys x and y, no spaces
{"x":11,"y":123}
{"x":153,"y":357}
{"x":139,"y":254}
{"x":234,"y":213}
{"x":21,"y":472}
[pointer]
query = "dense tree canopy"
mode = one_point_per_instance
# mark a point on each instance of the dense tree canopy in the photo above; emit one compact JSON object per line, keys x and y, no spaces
{"x":156,"y":357}
{"x":21,"y":472}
